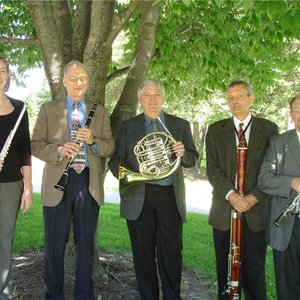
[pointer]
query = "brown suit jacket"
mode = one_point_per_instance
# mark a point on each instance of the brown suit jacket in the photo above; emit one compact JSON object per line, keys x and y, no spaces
{"x":221,"y":158}
{"x":51,"y":131}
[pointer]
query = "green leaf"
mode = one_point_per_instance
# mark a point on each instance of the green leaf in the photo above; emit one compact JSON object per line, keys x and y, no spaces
{"x":219,"y":3}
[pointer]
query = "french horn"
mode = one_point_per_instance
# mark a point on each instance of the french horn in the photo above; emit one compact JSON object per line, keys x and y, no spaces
{"x":155,"y":156}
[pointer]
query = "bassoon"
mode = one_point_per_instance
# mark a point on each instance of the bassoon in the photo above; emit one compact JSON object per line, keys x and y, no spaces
{"x":234,"y":256}
{"x":62,"y":183}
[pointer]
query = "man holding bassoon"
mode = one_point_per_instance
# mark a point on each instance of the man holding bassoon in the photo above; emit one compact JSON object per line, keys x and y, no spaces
{"x":73,"y":132}
{"x":235,"y":148}
{"x":280,"y":177}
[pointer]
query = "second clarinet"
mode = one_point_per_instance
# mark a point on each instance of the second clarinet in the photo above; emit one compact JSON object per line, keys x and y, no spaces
{"x":62,"y":183}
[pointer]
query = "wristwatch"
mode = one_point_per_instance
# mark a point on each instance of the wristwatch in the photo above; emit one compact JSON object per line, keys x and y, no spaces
{"x":94,"y":141}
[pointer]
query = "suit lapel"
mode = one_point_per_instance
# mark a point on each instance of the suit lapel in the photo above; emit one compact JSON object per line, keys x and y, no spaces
{"x":229,"y":143}
{"x":139,"y":125}
{"x":255,"y":139}
{"x":62,"y":119}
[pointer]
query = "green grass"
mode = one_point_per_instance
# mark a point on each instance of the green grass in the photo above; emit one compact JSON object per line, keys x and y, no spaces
{"x":198,"y":250}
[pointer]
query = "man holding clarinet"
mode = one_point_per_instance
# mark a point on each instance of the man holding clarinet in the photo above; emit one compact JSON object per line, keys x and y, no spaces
{"x":75,"y":133}
{"x":280,"y":177}
{"x":235,"y":149}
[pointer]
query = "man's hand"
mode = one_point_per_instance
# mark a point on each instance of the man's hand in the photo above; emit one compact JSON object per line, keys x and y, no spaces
{"x":69,"y":149}
{"x":85,"y":134}
{"x":178,"y":149}
{"x":296,"y":184}
{"x":251,"y":200}
{"x":238,"y":202}
{"x":1,"y":164}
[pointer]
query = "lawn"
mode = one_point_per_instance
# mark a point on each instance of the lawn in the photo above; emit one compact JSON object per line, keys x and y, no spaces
{"x":113,"y":236}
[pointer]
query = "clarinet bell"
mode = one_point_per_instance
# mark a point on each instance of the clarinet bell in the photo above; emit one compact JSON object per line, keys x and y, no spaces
{"x":62,"y":183}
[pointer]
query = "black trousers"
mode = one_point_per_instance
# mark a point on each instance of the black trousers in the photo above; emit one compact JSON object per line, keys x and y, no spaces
{"x":156,"y":239}
{"x":78,"y":206}
{"x":287,"y":267}
{"x":253,"y":253}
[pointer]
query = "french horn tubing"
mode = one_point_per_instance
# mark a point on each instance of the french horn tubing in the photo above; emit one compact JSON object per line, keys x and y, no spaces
{"x":155,"y":156}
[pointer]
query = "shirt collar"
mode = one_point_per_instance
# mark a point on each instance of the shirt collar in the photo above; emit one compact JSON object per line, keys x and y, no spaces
{"x":148,"y":120}
{"x":70,"y":102}
{"x":245,"y":121}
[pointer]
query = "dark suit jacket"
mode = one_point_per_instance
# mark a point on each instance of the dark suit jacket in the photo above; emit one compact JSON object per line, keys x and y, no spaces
{"x":51,"y":131}
{"x":281,"y":164}
{"x":133,"y":130}
{"x":221,"y":156}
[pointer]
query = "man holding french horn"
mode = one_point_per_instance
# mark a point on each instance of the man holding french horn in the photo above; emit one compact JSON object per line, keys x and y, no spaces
{"x":151,"y":150}
{"x":71,"y":135}
{"x":280,"y":177}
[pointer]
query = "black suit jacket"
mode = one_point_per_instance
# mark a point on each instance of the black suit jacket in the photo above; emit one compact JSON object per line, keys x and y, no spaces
{"x":221,"y":156}
{"x":133,"y":130}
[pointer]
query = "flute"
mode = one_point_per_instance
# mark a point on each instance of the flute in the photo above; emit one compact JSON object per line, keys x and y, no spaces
{"x":10,"y":137}
{"x":62,"y":183}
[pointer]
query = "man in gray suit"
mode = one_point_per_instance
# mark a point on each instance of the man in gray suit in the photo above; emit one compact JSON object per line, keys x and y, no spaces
{"x":52,"y":142}
{"x":280,"y":177}
{"x":221,"y":156}
{"x":155,"y":210}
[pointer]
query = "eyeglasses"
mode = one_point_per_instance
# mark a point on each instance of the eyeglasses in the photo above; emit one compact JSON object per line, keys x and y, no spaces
{"x":82,"y":79}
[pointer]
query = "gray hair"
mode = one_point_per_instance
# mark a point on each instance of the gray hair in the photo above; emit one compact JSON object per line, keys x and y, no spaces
{"x":74,"y":63}
{"x":147,"y":82}
{"x":293,"y":100}
{"x":245,"y":84}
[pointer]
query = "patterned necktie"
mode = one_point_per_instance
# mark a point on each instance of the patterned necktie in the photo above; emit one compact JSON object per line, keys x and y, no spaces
{"x":154,"y":126}
{"x":241,"y":136}
{"x":79,"y":161}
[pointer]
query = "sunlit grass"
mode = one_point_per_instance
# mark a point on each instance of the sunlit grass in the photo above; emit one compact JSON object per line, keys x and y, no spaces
{"x":198,"y":252}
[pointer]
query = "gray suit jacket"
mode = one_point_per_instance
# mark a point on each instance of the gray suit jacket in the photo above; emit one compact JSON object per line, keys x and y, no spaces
{"x":51,"y":131}
{"x":221,"y":158}
{"x":133,"y":130}
{"x":280,"y":165}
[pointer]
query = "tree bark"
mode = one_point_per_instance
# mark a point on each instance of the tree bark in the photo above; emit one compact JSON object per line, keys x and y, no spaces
{"x":127,"y":104}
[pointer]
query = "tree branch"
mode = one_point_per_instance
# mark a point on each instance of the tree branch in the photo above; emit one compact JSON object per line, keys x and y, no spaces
{"x":82,"y":28}
{"x":122,"y":19}
{"x":63,"y":21}
{"x":117,"y":74}
{"x":22,"y":42}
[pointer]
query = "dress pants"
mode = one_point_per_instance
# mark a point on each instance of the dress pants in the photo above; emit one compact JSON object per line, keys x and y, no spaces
{"x":253,"y":257}
{"x":156,"y":236}
{"x":10,"y":196}
{"x":78,"y":206}
{"x":287,"y":267}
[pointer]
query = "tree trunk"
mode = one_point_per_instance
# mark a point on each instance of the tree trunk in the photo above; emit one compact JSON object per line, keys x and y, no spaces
{"x":127,"y":104}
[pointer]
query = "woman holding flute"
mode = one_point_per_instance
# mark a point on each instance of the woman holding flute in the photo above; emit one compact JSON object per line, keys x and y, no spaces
{"x":15,"y":174}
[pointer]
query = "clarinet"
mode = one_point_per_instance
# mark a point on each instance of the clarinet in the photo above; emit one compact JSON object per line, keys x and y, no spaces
{"x":234,"y":256}
{"x":62,"y":183}
{"x":10,"y":137}
{"x":287,"y":210}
